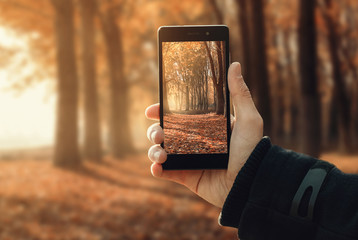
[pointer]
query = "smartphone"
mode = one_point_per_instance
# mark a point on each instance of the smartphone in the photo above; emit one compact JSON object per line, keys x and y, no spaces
{"x":194,"y":97}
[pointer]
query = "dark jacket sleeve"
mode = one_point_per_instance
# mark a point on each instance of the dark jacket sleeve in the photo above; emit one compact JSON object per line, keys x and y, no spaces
{"x":261,"y":197}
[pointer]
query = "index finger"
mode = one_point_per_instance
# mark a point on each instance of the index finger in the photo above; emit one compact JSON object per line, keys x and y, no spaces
{"x":152,"y":112}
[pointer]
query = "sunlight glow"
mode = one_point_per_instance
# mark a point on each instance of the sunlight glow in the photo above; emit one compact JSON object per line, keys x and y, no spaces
{"x":26,"y":119}
{"x":8,"y":39}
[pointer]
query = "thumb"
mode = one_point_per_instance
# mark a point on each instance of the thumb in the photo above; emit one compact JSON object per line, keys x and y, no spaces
{"x":240,"y":93}
{"x":248,"y":129}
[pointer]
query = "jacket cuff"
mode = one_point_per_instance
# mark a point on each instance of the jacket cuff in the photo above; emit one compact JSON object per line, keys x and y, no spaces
{"x":239,"y":193}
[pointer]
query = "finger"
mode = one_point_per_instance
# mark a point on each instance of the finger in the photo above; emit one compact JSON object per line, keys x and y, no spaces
{"x":155,"y":134}
{"x":156,"y":169}
{"x":186,"y":177}
{"x":152,"y":112}
{"x":242,"y":100}
{"x":172,"y":175}
{"x":157,"y":154}
{"x":248,"y":128}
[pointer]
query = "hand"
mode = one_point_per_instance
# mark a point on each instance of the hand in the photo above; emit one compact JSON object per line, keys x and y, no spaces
{"x":247,"y":131}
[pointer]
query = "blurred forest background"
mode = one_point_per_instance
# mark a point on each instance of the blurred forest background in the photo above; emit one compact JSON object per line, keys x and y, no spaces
{"x":77,"y":75}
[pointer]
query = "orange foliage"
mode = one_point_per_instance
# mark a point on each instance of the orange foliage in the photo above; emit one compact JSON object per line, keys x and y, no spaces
{"x":201,"y":133}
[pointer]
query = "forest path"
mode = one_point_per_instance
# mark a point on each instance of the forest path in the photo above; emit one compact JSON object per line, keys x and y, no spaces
{"x":200,"y":133}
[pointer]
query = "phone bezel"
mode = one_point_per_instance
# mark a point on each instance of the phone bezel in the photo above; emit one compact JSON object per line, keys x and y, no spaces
{"x":195,"y":33}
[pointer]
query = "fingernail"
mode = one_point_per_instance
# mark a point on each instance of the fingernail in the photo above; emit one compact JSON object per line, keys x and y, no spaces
{"x":156,"y":156}
{"x":237,"y":69}
{"x":152,"y":135}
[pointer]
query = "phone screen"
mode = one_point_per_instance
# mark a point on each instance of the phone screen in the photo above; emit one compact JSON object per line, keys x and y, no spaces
{"x":194,"y":97}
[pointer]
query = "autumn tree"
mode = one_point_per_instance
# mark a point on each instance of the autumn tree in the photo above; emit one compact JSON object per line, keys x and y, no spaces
{"x":258,"y":67}
{"x":311,"y":118}
{"x":120,"y":134}
{"x":217,"y":75}
{"x":281,"y":34}
{"x":218,"y":13}
{"x":187,"y":73}
{"x":66,"y":145}
{"x":340,"y":93}
{"x":165,"y":84}
{"x":92,"y":141}
{"x":349,"y":52}
{"x":245,"y":32}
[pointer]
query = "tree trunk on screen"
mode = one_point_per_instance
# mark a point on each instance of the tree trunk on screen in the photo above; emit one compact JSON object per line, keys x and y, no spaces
{"x":217,"y":81}
{"x":120,"y":134}
{"x":165,"y":98}
{"x":259,"y":73}
{"x":66,"y":145}
{"x":206,"y":94}
{"x":339,"y":84}
{"x":164,"y":83}
{"x":311,"y":117}
{"x":191,"y":99}
{"x":92,"y":141}
{"x":220,"y":84}
{"x":186,"y":98}
{"x":165,"y":92}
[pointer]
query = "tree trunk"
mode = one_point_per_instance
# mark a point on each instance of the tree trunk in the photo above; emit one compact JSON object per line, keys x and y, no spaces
{"x":245,"y":37}
{"x":217,"y":11}
{"x":187,"y":98}
{"x":217,"y":82}
{"x":339,"y":84}
{"x":349,"y":52}
{"x":292,"y":98}
{"x":354,"y":109}
{"x":120,"y":134}
{"x":311,"y":117}
{"x":260,"y":86}
{"x":333,"y":122}
{"x":165,"y":91}
{"x":165,"y":97}
{"x":66,"y":142}
{"x":206,"y":97}
{"x":279,"y":103}
{"x":220,"y":85}
{"x":92,"y":141}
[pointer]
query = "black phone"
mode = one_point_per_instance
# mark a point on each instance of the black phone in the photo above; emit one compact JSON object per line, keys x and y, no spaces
{"x":194,"y":97}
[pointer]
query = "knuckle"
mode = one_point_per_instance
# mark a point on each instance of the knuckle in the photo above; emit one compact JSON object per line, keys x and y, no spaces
{"x":244,"y":90}
{"x":149,"y":154}
{"x":151,"y":150}
{"x":150,"y":131}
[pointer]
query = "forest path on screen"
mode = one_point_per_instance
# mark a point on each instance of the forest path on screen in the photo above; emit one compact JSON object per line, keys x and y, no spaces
{"x":198,"y":133}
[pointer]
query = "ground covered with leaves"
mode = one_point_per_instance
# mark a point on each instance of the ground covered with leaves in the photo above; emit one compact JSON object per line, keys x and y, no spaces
{"x":115,"y":199}
{"x":199,"y":133}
